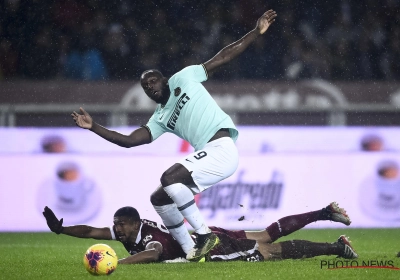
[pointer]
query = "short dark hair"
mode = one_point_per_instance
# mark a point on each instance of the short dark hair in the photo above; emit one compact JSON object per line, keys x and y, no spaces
{"x":129,"y":212}
{"x":152,"y":71}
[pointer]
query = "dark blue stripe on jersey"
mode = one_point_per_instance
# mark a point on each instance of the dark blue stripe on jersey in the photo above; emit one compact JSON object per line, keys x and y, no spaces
{"x":176,"y":226}
{"x":183,"y":207}
{"x":148,"y":129}
{"x":205,"y":70}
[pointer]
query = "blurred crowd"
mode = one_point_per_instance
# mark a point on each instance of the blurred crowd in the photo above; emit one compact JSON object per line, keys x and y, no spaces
{"x":119,"y":39}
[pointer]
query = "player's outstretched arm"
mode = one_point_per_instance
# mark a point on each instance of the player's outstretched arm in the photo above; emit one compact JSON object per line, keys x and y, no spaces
{"x":231,"y":51}
{"x":138,"y":137}
{"x":151,"y":254}
{"x":81,"y":231}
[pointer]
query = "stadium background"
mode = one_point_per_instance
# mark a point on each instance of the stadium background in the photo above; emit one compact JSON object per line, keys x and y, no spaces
{"x":316,"y":100}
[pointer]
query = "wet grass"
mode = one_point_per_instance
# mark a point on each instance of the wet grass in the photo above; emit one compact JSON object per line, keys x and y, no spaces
{"x":49,"y":256}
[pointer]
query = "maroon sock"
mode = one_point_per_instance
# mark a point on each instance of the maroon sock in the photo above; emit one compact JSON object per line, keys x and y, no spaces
{"x":290,"y":224}
{"x":296,"y":249}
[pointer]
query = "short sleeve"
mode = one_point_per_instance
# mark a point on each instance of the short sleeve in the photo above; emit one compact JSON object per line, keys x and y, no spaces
{"x":155,"y":129}
{"x":196,"y":73}
{"x":112,"y":233}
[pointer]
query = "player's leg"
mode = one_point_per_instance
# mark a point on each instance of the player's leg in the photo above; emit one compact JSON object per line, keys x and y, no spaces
{"x":194,"y":174}
{"x":297,"y":249}
{"x":174,"y":202}
{"x":172,"y":218}
{"x":236,"y":234}
{"x":183,"y":197}
{"x":232,"y":249}
{"x":290,"y":224}
{"x":177,"y":182}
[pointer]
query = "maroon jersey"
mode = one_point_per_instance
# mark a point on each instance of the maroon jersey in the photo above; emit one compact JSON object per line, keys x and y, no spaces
{"x":233,"y":244}
{"x":152,"y":231}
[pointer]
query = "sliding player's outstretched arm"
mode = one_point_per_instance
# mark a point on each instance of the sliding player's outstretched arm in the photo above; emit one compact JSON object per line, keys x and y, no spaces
{"x":151,"y":254}
{"x":236,"y":48}
{"x":138,"y":137}
{"x":81,"y":231}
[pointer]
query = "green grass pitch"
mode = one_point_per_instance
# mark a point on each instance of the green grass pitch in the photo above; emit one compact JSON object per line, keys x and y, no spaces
{"x":49,"y":256}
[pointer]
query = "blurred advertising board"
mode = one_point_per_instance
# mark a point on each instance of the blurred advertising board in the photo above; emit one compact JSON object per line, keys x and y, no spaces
{"x":235,"y":94}
{"x":253,"y":140}
{"x":89,"y":188}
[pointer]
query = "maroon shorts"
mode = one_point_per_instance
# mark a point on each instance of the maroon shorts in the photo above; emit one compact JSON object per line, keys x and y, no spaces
{"x":236,"y":234}
{"x":232,"y":249}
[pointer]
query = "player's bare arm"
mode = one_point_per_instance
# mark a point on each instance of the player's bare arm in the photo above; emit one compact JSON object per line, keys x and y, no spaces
{"x":231,"y":51}
{"x":84,"y":231}
{"x":138,"y":137}
{"x":81,"y":231}
{"x":151,"y":254}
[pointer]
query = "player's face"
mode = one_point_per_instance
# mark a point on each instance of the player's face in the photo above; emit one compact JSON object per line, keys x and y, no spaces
{"x":125,"y":229}
{"x":155,"y":87}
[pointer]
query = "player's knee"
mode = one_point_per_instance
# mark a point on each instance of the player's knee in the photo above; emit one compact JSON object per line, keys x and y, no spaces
{"x":167,"y":178}
{"x":176,"y":174}
{"x":155,"y":198}
{"x":160,"y":198}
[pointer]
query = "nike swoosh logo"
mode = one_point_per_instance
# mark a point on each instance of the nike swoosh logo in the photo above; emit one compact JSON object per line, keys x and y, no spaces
{"x":189,"y":161}
{"x":161,"y":116}
{"x":109,"y":254}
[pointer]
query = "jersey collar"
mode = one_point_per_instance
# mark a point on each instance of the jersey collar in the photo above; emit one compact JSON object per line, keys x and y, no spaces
{"x":139,"y":235}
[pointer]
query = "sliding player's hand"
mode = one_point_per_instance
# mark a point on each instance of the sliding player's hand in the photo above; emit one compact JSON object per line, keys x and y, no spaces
{"x":54,"y":224}
{"x":83,"y":120}
{"x":265,"y":21}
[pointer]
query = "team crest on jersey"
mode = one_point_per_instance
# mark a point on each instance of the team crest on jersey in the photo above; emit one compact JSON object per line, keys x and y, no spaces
{"x":147,"y":238}
{"x":177,"y":91}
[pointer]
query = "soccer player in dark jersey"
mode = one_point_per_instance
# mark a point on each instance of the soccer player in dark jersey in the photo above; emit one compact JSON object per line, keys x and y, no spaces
{"x":186,"y":109}
{"x":148,"y":241}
